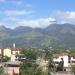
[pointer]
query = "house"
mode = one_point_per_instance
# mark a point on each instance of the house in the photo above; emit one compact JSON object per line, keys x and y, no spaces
{"x":57,"y":58}
{"x":18,"y":57}
{"x":67,"y":58}
{"x":16,"y":50}
{"x":72,"y":58}
{"x":12,"y":68}
{"x":9,"y":51}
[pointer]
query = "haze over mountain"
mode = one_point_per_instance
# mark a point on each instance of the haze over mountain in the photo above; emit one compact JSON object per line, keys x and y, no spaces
{"x":55,"y":35}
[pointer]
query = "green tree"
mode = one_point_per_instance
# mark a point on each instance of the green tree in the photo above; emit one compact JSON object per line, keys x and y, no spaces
{"x":40,"y":71}
{"x":28,"y":68}
{"x":2,"y":71}
{"x":6,"y":58}
{"x":31,"y":68}
{"x":73,"y":68}
{"x":29,"y":53}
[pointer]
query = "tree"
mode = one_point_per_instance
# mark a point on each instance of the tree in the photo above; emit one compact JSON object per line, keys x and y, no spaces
{"x":29,"y":53}
{"x":40,"y":71}
{"x":6,"y":58}
{"x":28,"y":68}
{"x":2,"y":71}
{"x":32,"y":68}
{"x":73,"y":68}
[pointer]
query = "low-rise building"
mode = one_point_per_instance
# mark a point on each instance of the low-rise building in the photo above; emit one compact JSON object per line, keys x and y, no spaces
{"x":18,"y":57}
{"x":9,"y":51}
{"x":68,"y":58}
{"x":12,"y":68}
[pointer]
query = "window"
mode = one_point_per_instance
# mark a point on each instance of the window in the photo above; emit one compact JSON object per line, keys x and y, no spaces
{"x":73,"y":61}
{"x":73,"y":57}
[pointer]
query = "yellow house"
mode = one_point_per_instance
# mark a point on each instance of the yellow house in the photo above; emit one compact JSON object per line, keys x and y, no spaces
{"x":9,"y":51}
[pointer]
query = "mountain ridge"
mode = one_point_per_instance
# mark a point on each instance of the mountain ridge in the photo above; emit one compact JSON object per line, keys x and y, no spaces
{"x":55,"y":35}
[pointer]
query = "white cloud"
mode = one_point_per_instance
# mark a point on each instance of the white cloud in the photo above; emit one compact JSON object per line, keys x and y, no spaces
{"x":43,"y":22}
{"x":65,"y":17}
{"x":61,"y":17}
{"x":17,"y":2}
{"x":12,"y":13}
{"x":1,"y":23}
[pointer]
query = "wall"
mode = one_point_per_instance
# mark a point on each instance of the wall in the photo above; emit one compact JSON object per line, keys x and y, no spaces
{"x":7,"y":52}
{"x":65,"y":58}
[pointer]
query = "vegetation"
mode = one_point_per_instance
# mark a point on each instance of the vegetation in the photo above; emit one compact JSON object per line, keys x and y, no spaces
{"x":56,"y":36}
{"x":30,"y":53}
{"x":73,"y":68}
{"x":30,"y":67}
{"x":45,"y":54}
{"x":2,"y":71}
{"x":6,"y":58}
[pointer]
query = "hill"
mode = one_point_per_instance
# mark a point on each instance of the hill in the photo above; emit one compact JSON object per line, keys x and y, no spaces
{"x":55,"y":35}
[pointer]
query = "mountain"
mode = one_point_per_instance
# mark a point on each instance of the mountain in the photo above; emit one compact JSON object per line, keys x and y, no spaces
{"x":55,"y":35}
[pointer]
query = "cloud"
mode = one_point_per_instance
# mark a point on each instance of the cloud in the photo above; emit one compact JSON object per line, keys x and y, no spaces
{"x":17,"y":2}
{"x":23,"y":3}
{"x":65,"y":17}
{"x":40,"y":23}
{"x":59,"y":16}
{"x":20,"y":3}
{"x":1,"y":23}
{"x":43,"y":22}
{"x":12,"y":13}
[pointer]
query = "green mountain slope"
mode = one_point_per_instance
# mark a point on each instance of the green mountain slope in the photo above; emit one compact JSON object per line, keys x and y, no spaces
{"x":55,"y":35}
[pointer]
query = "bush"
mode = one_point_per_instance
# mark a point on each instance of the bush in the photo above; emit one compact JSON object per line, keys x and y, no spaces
{"x":2,"y":71}
{"x":73,"y":68}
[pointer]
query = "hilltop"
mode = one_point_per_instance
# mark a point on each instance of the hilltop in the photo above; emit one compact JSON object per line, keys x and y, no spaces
{"x":55,"y":35}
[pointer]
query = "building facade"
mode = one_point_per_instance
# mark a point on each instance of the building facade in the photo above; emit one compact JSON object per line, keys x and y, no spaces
{"x":68,"y":58}
{"x":9,"y":51}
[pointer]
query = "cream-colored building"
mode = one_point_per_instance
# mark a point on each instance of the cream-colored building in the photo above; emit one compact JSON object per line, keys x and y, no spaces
{"x":9,"y":51}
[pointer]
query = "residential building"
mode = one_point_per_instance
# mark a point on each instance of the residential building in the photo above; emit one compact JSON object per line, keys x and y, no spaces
{"x":12,"y":68}
{"x":18,"y":57}
{"x":68,"y":58}
{"x":9,"y":51}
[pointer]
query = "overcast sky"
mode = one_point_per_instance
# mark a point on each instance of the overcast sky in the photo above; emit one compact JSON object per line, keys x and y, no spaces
{"x":36,"y":13}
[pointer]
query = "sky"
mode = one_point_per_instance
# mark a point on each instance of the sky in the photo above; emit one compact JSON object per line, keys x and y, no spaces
{"x":36,"y":13}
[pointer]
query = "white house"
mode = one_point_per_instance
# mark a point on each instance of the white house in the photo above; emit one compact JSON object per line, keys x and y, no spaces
{"x":66,"y":58}
{"x":57,"y":58}
{"x":18,"y":57}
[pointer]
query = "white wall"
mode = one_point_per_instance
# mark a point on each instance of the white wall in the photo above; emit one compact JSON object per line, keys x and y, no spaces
{"x":65,"y":58}
{"x":66,"y":64}
{"x":13,"y":57}
{"x":72,"y":59}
